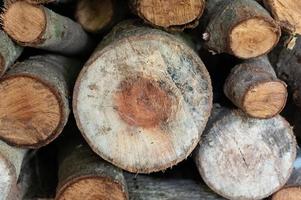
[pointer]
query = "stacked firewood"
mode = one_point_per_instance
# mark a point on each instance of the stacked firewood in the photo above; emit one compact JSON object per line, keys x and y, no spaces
{"x":200,"y":98}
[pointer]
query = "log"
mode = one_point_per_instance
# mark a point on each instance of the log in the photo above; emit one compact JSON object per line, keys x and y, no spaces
{"x":175,"y":15}
{"x":34,"y":103}
{"x":254,"y":87}
{"x":8,"y":2}
{"x":287,"y":13}
{"x":245,"y":158}
{"x":143,"y":99}
{"x":292,"y":189}
{"x":143,"y":187}
{"x":95,"y":16}
{"x":37,"y":26}
{"x":83,"y":175}
{"x":11,"y":159}
{"x":9,"y":52}
{"x":242,"y":28}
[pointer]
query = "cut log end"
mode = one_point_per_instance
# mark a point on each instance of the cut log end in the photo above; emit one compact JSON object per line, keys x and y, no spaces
{"x":30,"y":111}
{"x":24,"y":22}
{"x":290,"y":193}
{"x":253,"y":37}
{"x":91,"y":188}
{"x":142,"y":102}
{"x":94,"y":15}
{"x":266,"y":99}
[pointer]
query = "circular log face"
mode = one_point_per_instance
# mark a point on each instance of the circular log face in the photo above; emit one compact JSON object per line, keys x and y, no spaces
{"x":143,"y":102}
{"x":7,"y":177}
{"x":245,"y":158}
{"x":29,"y":111}
{"x":291,"y":193}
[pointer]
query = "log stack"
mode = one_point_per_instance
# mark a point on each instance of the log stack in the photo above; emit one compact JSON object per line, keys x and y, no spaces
{"x":95,"y":92}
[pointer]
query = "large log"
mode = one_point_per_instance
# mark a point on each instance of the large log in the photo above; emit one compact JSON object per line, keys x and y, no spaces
{"x":172,"y":15}
{"x":245,"y":158}
{"x":241,"y":28}
{"x":143,"y":99}
{"x":254,"y":87}
{"x":34,"y":103}
{"x":37,"y":26}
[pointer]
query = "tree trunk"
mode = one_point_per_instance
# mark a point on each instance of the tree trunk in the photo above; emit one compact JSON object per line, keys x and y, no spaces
{"x":34,"y":103}
{"x":245,"y":158}
{"x":37,"y":26}
{"x":143,"y":99}
{"x":9,"y":52}
{"x":254,"y":87}
{"x":175,"y":15}
{"x":143,"y":187}
{"x":241,"y":28}
{"x":83,"y":175}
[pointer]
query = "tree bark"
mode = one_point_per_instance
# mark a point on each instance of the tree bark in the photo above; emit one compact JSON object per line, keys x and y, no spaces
{"x":245,"y":158}
{"x":37,"y":26}
{"x":254,"y":87}
{"x":173,"y":15}
{"x":34,"y":106}
{"x":241,"y":28}
{"x":143,"y":99}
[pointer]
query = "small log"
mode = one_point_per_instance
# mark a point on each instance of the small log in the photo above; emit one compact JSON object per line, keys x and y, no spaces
{"x":175,"y":15}
{"x":143,"y":99}
{"x":292,"y":189}
{"x":98,"y":15}
{"x":242,"y":28}
{"x":254,"y":87}
{"x":245,"y":158}
{"x":37,"y":26}
{"x":287,"y":13}
{"x":83,"y":175}
{"x":9,"y":52}
{"x":143,"y":187}
{"x":34,"y":106}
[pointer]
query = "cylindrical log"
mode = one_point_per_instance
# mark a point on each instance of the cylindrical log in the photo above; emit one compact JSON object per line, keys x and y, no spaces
{"x":34,"y":103}
{"x":83,"y":175}
{"x":37,"y":26}
{"x":143,"y":99}
{"x":245,"y":158}
{"x":8,"y":2}
{"x":11,"y":159}
{"x":292,"y":189}
{"x":173,"y":15}
{"x":254,"y":87}
{"x":242,"y":28}
{"x":143,"y":187}
{"x":287,"y":13}
{"x":98,"y":15}
{"x":9,"y":52}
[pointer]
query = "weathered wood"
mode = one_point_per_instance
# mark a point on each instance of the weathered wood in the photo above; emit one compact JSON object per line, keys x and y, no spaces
{"x":83,"y":175}
{"x":143,"y":99}
{"x":245,"y":158}
{"x":34,"y":103}
{"x":37,"y":26}
{"x":172,"y":15}
{"x":254,"y":87}
{"x":287,"y":13}
{"x":8,"y":2}
{"x":143,"y":187}
{"x":9,"y":52}
{"x":242,"y":28}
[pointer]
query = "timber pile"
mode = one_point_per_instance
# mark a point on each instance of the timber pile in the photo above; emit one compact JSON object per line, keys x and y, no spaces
{"x":150,"y":99}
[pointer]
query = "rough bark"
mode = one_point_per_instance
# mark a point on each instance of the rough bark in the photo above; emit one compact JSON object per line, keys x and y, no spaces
{"x":175,"y":15}
{"x":143,"y":99}
{"x":37,"y":26}
{"x":254,"y":87}
{"x":245,"y":158}
{"x":241,"y":28}
{"x":9,"y":52}
{"x":83,"y":175}
{"x":143,"y":187}
{"x":34,"y":106}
